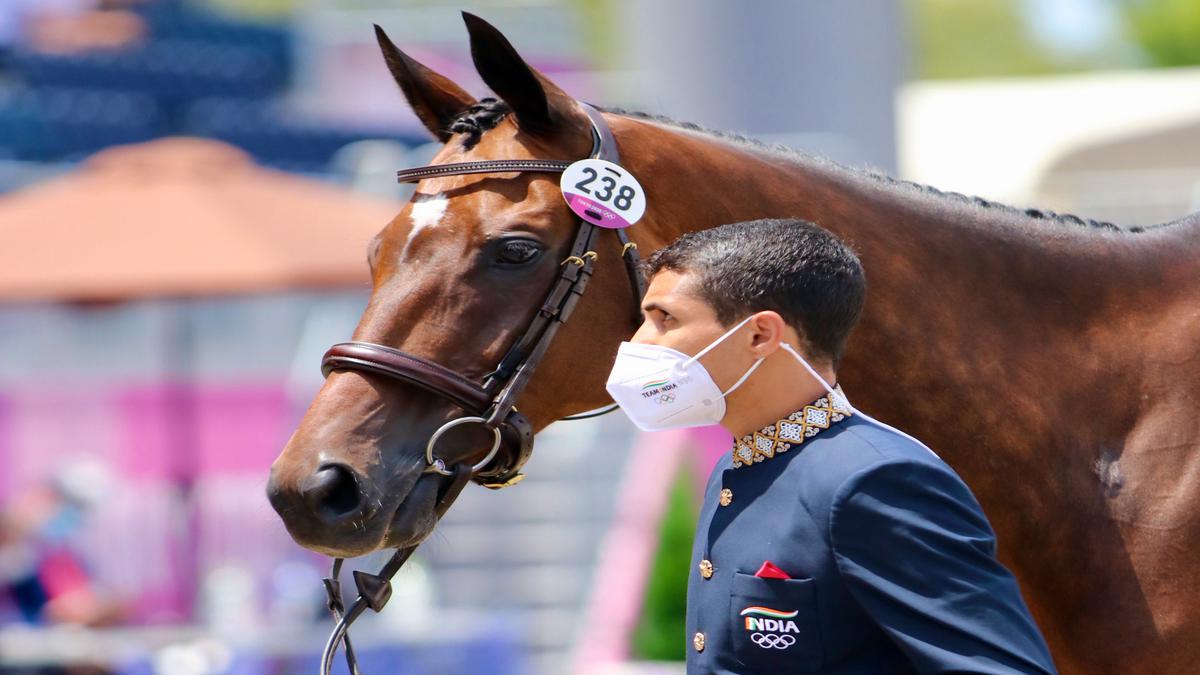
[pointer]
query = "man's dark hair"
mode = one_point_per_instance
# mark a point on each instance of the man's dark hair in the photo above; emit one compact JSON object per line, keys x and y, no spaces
{"x":803,"y":272}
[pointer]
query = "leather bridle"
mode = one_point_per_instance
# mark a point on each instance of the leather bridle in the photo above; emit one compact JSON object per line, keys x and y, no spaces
{"x":491,"y":404}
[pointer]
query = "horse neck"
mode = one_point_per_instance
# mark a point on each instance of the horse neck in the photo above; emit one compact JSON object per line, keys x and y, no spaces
{"x":913,"y":240}
{"x":950,"y":281}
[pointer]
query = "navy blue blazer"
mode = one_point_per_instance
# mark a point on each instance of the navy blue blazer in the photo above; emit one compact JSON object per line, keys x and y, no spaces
{"x":892,"y":566}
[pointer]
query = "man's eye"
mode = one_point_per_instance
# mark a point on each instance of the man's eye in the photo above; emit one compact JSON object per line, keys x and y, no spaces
{"x":518,"y":252}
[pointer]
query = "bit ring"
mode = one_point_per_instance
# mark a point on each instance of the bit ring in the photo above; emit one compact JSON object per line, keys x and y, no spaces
{"x":436,"y":465}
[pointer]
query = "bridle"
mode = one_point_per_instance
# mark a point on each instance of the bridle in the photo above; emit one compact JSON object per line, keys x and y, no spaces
{"x":491,"y":404}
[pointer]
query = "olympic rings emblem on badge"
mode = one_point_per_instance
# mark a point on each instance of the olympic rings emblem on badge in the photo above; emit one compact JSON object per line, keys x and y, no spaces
{"x":666,"y":398}
{"x":770,"y":641}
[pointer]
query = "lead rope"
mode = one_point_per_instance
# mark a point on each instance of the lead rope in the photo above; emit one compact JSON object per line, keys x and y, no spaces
{"x":374,"y":590}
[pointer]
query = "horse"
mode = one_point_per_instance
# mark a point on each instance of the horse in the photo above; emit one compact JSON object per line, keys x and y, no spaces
{"x":1049,"y":359}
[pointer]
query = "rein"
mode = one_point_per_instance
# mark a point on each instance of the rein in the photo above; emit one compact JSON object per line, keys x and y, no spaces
{"x":491,"y":404}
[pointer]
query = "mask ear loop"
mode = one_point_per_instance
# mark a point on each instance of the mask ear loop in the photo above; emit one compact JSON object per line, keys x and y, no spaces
{"x":811,"y":371}
{"x":746,"y":375}
{"x":742,"y":379}
{"x":842,"y":399}
{"x":718,"y":341}
{"x":712,"y":345}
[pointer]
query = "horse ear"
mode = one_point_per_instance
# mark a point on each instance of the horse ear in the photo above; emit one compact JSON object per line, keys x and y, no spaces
{"x":539,"y":105}
{"x":434,"y":98}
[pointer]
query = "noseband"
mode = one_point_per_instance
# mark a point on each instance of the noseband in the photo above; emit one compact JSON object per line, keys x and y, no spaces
{"x":492,"y":403}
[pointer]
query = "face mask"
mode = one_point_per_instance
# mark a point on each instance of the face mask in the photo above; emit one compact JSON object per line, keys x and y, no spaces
{"x":661,"y":388}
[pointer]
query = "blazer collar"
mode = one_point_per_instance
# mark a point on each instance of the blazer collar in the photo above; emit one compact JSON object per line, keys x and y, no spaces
{"x":794,"y":429}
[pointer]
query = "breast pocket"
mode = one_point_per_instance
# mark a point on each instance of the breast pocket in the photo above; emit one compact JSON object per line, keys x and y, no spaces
{"x":775,"y":624}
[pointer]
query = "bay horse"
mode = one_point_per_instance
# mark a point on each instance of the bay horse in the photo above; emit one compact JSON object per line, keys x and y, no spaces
{"x":1051,"y":360}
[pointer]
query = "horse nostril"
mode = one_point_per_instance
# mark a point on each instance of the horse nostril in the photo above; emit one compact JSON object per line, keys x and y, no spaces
{"x":332,"y":492}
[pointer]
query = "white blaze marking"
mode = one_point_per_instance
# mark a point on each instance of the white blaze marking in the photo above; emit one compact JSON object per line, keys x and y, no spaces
{"x":427,"y":212}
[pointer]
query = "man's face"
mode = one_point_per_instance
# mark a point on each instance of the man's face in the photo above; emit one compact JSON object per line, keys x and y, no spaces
{"x":678,"y":318}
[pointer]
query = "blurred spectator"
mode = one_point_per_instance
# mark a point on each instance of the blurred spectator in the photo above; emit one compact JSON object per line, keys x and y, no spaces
{"x":40,"y":568}
{"x":66,"y":26}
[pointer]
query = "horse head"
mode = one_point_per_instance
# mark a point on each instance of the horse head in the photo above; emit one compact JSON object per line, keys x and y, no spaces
{"x":458,"y":278}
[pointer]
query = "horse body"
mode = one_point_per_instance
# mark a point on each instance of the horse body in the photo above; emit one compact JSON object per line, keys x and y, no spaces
{"x":1051,"y":363}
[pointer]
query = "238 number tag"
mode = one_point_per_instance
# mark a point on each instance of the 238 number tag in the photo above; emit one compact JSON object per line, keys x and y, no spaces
{"x":603,"y":193}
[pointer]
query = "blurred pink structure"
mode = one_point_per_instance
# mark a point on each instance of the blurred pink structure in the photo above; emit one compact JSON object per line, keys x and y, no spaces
{"x":186,"y":401}
{"x":633,"y":539}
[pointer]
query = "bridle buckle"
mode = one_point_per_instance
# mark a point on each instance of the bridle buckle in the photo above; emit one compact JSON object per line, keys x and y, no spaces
{"x":516,"y":478}
{"x":581,"y":260}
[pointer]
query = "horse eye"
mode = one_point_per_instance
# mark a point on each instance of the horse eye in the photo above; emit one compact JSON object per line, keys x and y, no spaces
{"x":518,"y":251}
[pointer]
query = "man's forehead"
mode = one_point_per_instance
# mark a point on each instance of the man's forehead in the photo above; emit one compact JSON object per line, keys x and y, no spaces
{"x":669,"y":288}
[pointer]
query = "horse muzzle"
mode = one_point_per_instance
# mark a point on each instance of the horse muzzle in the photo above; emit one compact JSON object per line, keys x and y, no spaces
{"x":512,"y":434}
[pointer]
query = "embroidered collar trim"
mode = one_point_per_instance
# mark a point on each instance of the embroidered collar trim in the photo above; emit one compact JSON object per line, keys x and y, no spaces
{"x":794,"y":429}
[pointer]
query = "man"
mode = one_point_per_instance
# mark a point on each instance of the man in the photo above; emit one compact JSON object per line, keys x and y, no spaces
{"x":827,"y":542}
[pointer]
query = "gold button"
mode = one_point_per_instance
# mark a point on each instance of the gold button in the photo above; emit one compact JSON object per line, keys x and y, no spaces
{"x":698,"y":641}
{"x":726,"y":496}
{"x":706,"y":569}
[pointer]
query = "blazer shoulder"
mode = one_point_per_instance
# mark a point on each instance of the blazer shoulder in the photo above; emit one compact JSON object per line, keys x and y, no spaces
{"x":889,"y":443}
{"x":908,"y":487}
{"x":877,"y":454}
{"x":856,"y":445}
{"x":831,"y":460}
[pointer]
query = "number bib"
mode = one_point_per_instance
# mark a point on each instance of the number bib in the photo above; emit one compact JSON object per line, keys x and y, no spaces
{"x":603,"y":193}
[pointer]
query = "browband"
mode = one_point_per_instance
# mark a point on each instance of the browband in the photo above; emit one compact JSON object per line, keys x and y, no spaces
{"x":604,"y":146}
{"x":483,"y":166}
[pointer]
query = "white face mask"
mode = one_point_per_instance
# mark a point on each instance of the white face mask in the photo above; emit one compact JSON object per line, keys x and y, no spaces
{"x":661,"y":388}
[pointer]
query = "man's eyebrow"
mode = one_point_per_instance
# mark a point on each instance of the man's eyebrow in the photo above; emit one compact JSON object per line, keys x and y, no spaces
{"x":652,"y":306}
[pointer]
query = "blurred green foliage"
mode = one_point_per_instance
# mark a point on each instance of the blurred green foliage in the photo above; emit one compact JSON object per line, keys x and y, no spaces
{"x":973,"y":38}
{"x":599,"y":23}
{"x":1167,"y":31}
{"x":660,"y":633}
{"x":988,"y":38}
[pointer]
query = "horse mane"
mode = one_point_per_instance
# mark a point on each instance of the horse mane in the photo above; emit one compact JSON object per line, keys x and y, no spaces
{"x":489,"y":112}
{"x":481,"y":116}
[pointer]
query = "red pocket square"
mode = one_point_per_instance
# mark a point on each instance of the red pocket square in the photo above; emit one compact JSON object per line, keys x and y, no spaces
{"x":770,"y":571}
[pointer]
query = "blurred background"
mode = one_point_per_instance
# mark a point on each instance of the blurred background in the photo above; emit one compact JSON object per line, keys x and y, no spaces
{"x":186,"y":194}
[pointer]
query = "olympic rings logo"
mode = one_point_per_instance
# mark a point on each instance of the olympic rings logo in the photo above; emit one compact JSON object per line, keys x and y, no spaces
{"x":665,"y":398}
{"x":770,"y":641}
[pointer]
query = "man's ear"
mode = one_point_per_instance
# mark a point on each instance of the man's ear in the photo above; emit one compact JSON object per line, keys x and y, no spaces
{"x":538,"y":104}
{"x":767,"y":331}
{"x":434,"y":98}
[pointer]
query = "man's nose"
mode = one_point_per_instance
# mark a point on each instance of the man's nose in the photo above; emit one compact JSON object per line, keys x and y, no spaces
{"x":644,"y":334}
